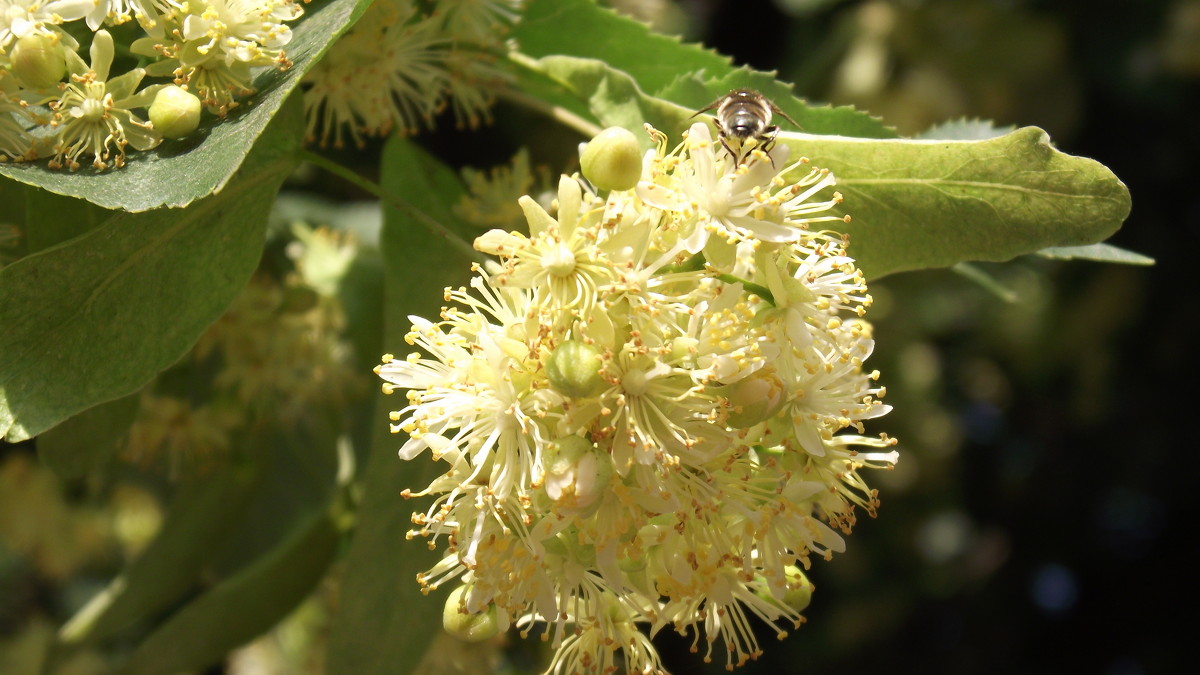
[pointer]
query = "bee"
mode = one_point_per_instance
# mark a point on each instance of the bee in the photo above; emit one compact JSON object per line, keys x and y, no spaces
{"x":743,"y":114}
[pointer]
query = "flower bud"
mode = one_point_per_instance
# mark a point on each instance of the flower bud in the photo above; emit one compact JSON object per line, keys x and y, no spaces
{"x":612,"y":160}
{"x":574,"y":369}
{"x":755,"y":398}
{"x":38,"y":61}
{"x":577,"y":475}
{"x":464,"y":624}
{"x":175,"y":112}
{"x":799,"y":589}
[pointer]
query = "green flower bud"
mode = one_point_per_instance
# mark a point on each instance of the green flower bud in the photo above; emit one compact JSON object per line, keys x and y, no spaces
{"x":612,"y":160}
{"x":799,"y":589}
{"x":464,"y":625}
{"x":38,"y":61}
{"x":175,"y":112}
{"x":797,"y":593}
{"x":574,"y":369}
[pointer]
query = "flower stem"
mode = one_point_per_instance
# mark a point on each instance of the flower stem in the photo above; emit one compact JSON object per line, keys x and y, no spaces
{"x":697,"y":262}
{"x":430,"y":223}
{"x":750,"y":287}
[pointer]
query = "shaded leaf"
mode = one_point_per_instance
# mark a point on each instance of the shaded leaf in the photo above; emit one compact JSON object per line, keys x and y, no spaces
{"x":88,"y":441}
{"x":243,"y":606}
{"x":96,"y":317}
{"x":201,"y":514}
{"x":52,"y":219}
{"x":384,"y":623}
{"x":299,"y":463}
{"x":177,"y":173}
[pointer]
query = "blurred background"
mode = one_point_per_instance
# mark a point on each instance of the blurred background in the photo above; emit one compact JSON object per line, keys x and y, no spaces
{"x":1036,"y":522}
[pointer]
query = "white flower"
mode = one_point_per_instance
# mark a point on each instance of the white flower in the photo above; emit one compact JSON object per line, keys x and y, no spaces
{"x":750,"y":200}
{"x":94,"y":115}
{"x":643,"y":424}
{"x":19,"y":18}
{"x":249,"y":31}
{"x":117,"y":12}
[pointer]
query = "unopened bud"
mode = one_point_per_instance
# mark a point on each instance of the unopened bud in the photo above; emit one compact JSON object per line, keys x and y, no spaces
{"x":175,"y":112}
{"x":38,"y":61}
{"x":574,"y":369}
{"x":612,"y":160}
{"x":464,"y":624}
{"x":799,"y":589}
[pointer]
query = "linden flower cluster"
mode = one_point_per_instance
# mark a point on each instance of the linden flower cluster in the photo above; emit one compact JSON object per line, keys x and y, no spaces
{"x":398,"y":67}
{"x":53,"y":104}
{"x":650,"y":411}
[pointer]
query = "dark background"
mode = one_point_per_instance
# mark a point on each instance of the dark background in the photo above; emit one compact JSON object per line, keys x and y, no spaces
{"x":1040,"y":519}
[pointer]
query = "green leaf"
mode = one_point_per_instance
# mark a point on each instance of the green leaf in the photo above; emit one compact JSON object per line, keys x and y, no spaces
{"x":200,"y":516}
{"x":614,"y":97}
{"x":1097,"y":252}
{"x":813,"y":119}
{"x":666,"y":68}
{"x":299,"y":463}
{"x":96,"y":317}
{"x":242,"y":607}
{"x":384,"y":623}
{"x":177,"y":173}
{"x":87,"y":441}
{"x":921,"y":204}
{"x":52,"y":219}
{"x":582,"y":28}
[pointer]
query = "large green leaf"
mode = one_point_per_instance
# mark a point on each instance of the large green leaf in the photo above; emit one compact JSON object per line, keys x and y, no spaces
{"x":582,"y":28}
{"x":921,"y":204}
{"x":97,"y":316}
{"x":177,"y":173}
{"x":384,"y":624}
{"x":688,"y":75}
